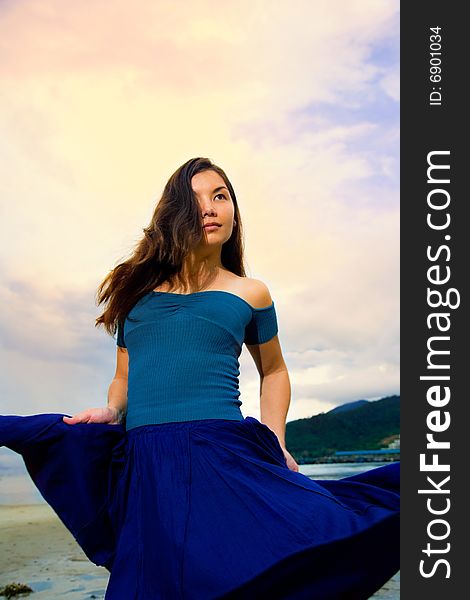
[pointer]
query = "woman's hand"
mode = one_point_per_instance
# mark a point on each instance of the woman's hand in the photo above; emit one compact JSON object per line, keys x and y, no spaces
{"x":107,"y":414}
{"x":293,"y":466}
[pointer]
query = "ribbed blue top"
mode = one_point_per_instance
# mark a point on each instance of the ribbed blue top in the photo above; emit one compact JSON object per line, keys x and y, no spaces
{"x":183,"y":352}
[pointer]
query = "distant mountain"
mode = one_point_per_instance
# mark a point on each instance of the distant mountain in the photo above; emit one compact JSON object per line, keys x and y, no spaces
{"x":348,"y":406}
{"x":359,"y":425}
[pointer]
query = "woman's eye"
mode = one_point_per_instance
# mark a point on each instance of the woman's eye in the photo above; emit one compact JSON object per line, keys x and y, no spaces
{"x":223,"y":196}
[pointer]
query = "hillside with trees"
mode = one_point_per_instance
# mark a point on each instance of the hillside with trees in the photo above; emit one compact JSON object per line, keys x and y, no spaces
{"x":360,"y":425}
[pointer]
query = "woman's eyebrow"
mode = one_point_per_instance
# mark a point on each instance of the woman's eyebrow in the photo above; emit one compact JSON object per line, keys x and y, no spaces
{"x":222,"y":187}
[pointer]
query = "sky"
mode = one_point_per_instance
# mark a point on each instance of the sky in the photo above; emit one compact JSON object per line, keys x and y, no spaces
{"x":102,"y":100}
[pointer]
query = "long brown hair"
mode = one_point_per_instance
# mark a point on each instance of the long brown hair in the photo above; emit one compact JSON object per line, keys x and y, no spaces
{"x":174,"y":230}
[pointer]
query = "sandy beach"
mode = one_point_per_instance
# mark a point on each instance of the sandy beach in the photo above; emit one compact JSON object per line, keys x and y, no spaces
{"x":38,"y":550}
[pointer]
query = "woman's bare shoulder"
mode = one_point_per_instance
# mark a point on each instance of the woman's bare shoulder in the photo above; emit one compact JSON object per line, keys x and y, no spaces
{"x":256,"y":292}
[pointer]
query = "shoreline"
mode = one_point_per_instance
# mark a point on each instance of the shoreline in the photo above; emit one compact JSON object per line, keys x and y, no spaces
{"x":38,"y":550}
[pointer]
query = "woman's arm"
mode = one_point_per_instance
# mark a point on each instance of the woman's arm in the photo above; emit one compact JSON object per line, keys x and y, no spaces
{"x":275,"y":389}
{"x":117,"y":398}
{"x":275,"y":395}
{"x":117,"y":392}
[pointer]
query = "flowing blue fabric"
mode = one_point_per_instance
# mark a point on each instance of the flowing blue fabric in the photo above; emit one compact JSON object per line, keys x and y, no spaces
{"x":208,"y":509}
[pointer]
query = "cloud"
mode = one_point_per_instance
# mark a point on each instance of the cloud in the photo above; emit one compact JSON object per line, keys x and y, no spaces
{"x":299,"y":105}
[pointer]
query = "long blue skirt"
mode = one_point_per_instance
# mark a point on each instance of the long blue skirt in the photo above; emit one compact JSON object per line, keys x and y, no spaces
{"x":208,"y":509}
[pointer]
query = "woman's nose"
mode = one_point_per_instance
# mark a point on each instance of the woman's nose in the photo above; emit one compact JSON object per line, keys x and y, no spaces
{"x":208,"y":209}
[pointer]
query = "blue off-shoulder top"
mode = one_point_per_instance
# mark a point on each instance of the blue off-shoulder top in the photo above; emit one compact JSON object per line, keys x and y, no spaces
{"x":183,"y":352}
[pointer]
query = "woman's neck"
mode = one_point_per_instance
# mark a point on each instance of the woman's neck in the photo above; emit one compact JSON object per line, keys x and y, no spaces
{"x":196,"y":279}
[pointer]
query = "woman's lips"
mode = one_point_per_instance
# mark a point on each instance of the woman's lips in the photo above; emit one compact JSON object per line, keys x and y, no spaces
{"x":211,"y":227}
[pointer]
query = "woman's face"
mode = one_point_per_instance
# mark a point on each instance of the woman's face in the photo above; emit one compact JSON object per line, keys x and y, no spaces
{"x":215,"y":205}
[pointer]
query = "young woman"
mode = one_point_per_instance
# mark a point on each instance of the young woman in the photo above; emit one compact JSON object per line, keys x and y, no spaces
{"x":168,"y":486}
